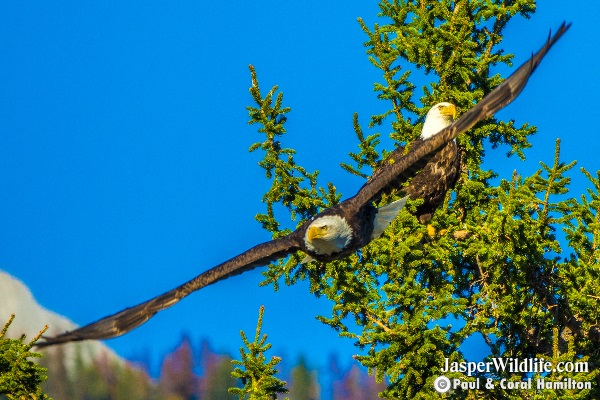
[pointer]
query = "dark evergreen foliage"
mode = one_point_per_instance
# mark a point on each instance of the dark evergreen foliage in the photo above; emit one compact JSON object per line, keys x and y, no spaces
{"x":493,"y":267}
{"x":257,"y":375}
{"x":20,"y":376}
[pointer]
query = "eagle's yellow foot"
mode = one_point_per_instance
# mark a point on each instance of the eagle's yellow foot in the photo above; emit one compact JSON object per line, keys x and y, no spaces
{"x":430,"y":230}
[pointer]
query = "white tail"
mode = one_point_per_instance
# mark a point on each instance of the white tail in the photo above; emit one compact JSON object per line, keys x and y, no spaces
{"x":385,"y":216}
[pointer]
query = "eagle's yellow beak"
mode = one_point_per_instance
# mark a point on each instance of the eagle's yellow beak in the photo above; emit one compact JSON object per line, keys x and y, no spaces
{"x":316,"y":232}
{"x":449,"y":111}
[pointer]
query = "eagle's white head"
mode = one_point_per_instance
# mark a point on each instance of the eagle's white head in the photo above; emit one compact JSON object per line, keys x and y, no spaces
{"x":438,"y":117}
{"x":328,"y":235}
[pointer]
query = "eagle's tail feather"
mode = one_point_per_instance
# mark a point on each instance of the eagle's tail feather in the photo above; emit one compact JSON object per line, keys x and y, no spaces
{"x":386,"y":214}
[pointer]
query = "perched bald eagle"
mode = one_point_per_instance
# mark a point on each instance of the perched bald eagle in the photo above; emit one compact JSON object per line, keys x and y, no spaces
{"x":439,"y":174}
{"x":342,"y":229}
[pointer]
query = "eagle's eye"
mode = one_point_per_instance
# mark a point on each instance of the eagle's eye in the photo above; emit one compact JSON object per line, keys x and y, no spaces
{"x":324,"y":227}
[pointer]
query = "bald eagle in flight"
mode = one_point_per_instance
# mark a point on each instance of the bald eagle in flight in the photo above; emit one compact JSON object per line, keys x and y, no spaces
{"x":346,"y":227}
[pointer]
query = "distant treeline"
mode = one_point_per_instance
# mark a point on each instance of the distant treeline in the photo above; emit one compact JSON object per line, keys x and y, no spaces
{"x":193,"y":374}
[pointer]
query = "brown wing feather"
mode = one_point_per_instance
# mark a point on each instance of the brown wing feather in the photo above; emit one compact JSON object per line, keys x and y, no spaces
{"x":130,"y":318}
{"x":421,"y":152}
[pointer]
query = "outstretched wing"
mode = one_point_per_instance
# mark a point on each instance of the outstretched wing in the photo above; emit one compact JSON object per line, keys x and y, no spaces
{"x":130,"y":318}
{"x":403,"y":167}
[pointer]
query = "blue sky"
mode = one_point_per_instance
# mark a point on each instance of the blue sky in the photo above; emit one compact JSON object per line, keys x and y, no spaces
{"x":123,"y":152}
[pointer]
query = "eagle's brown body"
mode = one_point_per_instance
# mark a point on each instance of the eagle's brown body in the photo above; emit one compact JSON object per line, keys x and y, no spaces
{"x":432,"y":157}
{"x":436,"y":178}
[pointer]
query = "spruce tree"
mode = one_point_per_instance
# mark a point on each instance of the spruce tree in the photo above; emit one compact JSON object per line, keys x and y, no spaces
{"x":20,"y":376}
{"x":59,"y":383}
{"x":256,"y":373}
{"x":304,"y":383}
{"x":177,"y":377}
{"x":494,"y":265}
